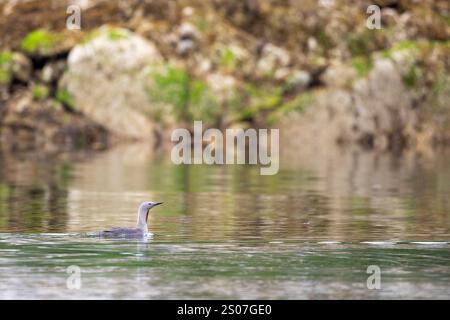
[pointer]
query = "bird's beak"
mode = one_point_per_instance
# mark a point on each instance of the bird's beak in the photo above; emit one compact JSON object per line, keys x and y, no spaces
{"x":157,"y":204}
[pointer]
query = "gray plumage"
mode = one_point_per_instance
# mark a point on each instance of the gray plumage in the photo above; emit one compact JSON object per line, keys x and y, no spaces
{"x":141,"y":229}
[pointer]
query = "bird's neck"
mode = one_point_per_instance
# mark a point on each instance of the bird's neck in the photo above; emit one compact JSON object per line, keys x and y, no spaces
{"x":142,"y":220}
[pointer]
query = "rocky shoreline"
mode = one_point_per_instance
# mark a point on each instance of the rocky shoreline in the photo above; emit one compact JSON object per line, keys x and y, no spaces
{"x":136,"y":70}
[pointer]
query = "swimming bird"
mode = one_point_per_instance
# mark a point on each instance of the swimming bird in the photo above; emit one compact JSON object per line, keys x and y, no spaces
{"x":141,"y":229}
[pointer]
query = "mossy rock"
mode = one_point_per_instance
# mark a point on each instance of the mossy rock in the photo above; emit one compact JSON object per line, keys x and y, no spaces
{"x":250,"y":100}
{"x":187,"y":98}
{"x":365,"y":42}
{"x":113,"y":34}
{"x":362,"y":66}
{"x":44,"y":43}
{"x":40,"y":92}
{"x":202,"y":102}
{"x":64,"y":97}
{"x":168,"y":86}
{"x":410,"y":79}
{"x":228,"y":59}
{"x":6,"y":68}
{"x":298,"y":104}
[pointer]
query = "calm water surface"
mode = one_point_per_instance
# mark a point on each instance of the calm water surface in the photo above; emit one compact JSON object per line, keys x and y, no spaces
{"x":310,"y":231}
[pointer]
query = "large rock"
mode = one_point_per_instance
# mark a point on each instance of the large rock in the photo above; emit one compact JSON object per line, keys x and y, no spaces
{"x":376,"y":111}
{"x":27,"y":124}
{"x":105,"y":79}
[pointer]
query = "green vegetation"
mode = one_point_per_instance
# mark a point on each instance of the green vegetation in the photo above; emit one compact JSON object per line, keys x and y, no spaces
{"x":362,"y":65}
{"x":201,"y":23}
{"x":189,"y":98}
{"x":5,"y":67}
{"x":116,"y":34}
{"x":263,"y":98}
{"x":298,"y":104}
{"x":366,"y":42}
{"x":440,"y":95}
{"x":203,"y":104}
{"x":228,"y":59}
{"x":113,"y":34}
{"x":324,"y":41}
{"x":441,"y":84}
{"x":90,"y":36}
{"x":41,"y":42}
{"x":65,"y":98}
{"x":248,"y":102}
{"x":40,"y":92}
{"x":170,"y":86}
{"x":406,"y":45}
{"x":410,"y":79}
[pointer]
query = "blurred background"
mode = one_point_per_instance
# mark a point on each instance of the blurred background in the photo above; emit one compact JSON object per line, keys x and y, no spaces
{"x":136,"y":69}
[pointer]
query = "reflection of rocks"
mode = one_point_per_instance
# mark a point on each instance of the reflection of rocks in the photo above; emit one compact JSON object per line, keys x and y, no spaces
{"x":105,"y":78}
{"x":109,"y":170}
{"x":41,"y":187}
{"x":385,"y":189}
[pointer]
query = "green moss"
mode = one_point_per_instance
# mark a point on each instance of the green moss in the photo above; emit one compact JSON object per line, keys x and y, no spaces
{"x":298,"y":104}
{"x":441,"y":84}
{"x":319,"y":61}
{"x":324,"y":40}
{"x":201,"y":23}
{"x":410,"y":79}
{"x":413,"y":46}
{"x":252,"y":100}
{"x":387,"y":54}
{"x":65,"y":98}
{"x":202,"y":103}
{"x":228,"y":59}
{"x":90,"y":36}
{"x":246,"y":103}
{"x":406,"y":45}
{"x":188,"y":98}
{"x":40,"y":92}
{"x":41,"y":41}
{"x":113,"y":34}
{"x":5,"y":67}
{"x":236,"y":103}
{"x":437,"y":104}
{"x":117,"y":34}
{"x":170,"y":86}
{"x":362,"y":65}
{"x":267,"y":101}
{"x":365,"y":42}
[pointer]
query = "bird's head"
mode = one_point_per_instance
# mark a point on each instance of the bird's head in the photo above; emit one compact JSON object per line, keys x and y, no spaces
{"x":144,"y":208}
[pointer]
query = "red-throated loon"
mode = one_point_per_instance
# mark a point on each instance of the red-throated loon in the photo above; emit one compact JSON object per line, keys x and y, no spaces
{"x":141,"y":229}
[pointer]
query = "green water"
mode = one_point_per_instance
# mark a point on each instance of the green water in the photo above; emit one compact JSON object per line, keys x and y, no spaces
{"x":311,"y":231}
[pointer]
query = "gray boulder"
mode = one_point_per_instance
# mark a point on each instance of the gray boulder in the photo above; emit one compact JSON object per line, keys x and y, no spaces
{"x":106,"y":80}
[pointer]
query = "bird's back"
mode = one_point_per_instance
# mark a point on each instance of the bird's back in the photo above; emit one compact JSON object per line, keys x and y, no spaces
{"x":122,"y":233}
